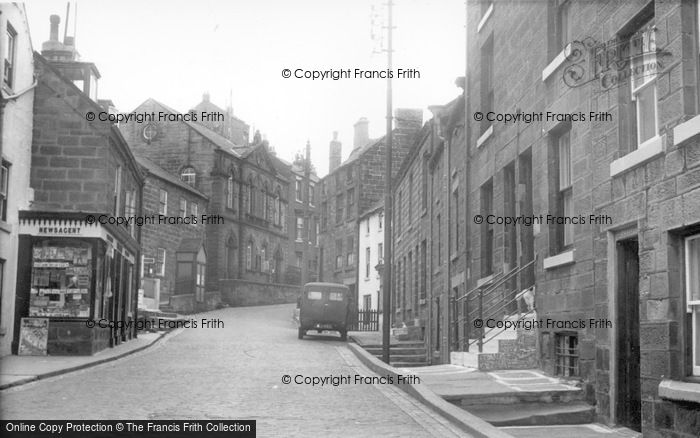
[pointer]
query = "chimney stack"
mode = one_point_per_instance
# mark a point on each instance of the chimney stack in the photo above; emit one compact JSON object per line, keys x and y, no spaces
{"x":55,"y":21}
{"x":335,"y":153}
{"x":361,"y":136}
{"x":408,"y":119}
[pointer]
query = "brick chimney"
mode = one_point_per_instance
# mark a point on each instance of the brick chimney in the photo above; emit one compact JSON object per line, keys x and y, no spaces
{"x":56,"y":51}
{"x":335,"y":153}
{"x":361,"y":136}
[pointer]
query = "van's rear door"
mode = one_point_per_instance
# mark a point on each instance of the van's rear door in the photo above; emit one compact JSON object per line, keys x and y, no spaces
{"x":336,"y":307}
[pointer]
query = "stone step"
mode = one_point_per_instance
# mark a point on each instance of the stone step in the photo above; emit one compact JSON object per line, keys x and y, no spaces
{"x":535,"y":396}
{"x":408,"y":364}
{"x":534,"y":414}
{"x":397,"y":350}
{"x":408,"y":344}
{"x":405,"y":357}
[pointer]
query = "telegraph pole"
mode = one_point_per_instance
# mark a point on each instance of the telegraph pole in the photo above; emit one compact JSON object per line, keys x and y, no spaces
{"x":388,"y":207}
{"x":307,"y":219}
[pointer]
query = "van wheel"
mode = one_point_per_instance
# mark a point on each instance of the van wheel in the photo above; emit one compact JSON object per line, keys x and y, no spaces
{"x":343,"y":335}
{"x":302,"y":332}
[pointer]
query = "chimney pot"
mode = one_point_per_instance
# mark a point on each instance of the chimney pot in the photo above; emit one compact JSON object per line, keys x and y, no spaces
{"x":361,"y":136}
{"x":55,"y":20}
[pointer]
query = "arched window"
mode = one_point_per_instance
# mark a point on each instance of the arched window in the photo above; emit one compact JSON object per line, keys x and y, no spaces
{"x":249,"y":255}
{"x":251,"y":196}
{"x":276,"y":207}
{"x":229,"y":192}
{"x":231,"y":249}
{"x":266,"y":203}
{"x":263,"y":258}
{"x":188,"y":175}
{"x":261,"y":202}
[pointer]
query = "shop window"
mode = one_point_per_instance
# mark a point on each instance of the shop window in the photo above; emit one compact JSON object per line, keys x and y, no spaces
{"x":4,"y":185}
{"x":160,"y":262}
{"x":188,"y":176}
{"x":9,"y":55}
{"x":163,"y":202}
{"x":692,"y":287}
{"x":567,"y":355}
{"x":61,"y":282}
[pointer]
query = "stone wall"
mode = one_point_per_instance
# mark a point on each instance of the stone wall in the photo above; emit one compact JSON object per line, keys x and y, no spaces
{"x":249,"y":293}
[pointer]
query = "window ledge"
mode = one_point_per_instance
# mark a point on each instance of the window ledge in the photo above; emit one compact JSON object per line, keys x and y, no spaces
{"x":564,"y":258}
{"x":686,"y":130}
{"x":484,"y":281}
{"x":485,"y":136}
{"x":556,"y":62}
{"x":485,"y":18}
{"x":646,"y":151}
{"x":680,"y":391}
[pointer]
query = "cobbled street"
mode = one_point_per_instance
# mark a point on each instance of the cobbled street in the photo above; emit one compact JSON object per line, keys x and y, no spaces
{"x":233,"y":372}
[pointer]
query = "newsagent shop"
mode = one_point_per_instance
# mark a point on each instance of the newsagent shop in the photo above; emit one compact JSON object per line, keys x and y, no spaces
{"x":77,"y":274}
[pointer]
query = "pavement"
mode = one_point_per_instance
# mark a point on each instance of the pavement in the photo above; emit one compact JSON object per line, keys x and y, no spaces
{"x":18,"y":370}
{"x":238,"y":371}
{"x":472,"y":389}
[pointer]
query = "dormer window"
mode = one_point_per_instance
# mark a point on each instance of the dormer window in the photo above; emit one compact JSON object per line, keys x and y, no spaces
{"x":188,"y":175}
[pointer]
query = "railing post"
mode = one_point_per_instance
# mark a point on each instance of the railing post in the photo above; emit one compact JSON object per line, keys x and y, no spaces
{"x":467,"y":322}
{"x":481,"y":318}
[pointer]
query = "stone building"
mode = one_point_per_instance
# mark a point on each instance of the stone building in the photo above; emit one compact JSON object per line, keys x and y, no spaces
{"x":16,"y":118}
{"x":247,"y":187}
{"x":351,"y":189}
{"x":79,"y":264}
{"x":170,"y":275}
{"x":426,"y":238}
{"x":370,"y":238}
{"x":600,"y":163}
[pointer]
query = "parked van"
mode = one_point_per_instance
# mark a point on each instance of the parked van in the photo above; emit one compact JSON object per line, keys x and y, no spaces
{"x":324,"y":306}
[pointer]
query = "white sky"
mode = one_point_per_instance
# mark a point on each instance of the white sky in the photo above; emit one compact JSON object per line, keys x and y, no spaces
{"x":174,"y":51}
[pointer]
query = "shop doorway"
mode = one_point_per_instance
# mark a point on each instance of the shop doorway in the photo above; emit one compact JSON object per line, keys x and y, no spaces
{"x":628,"y":393}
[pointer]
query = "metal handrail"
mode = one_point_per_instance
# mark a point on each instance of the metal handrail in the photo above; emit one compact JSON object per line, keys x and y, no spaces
{"x":491,"y":307}
{"x":501,"y":280}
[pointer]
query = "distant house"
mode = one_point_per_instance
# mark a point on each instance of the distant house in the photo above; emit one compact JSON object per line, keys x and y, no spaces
{"x":166,"y":265}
